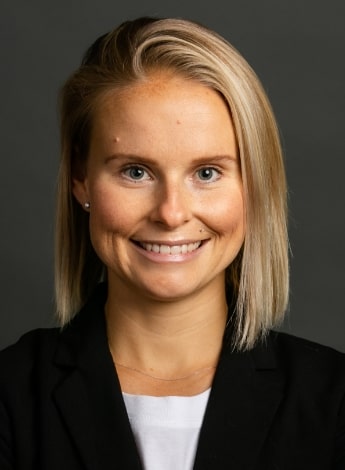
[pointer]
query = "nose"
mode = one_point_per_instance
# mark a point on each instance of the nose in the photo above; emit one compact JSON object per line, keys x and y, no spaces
{"x":172,"y":205}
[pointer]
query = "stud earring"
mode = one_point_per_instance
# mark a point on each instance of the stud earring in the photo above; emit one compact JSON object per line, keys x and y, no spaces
{"x":87,"y":205}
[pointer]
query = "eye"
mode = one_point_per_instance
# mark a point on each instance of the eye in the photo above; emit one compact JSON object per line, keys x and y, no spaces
{"x":208,"y":174}
{"x":136,"y":173}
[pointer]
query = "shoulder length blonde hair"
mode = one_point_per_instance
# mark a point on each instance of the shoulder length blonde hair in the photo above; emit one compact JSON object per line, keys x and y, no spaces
{"x":259,"y":276}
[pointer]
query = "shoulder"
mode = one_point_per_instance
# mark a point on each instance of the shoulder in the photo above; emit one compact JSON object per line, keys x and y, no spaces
{"x":306,"y":364}
{"x":30,"y":342}
{"x":36,"y":352}
{"x":302,"y":364}
{"x":294,"y":349}
{"x":18,"y":360}
{"x":40,"y":356}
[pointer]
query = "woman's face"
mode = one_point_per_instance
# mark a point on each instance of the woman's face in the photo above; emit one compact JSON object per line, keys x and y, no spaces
{"x":165,"y":191}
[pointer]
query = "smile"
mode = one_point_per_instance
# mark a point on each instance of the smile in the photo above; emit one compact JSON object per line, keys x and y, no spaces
{"x":171,"y":249}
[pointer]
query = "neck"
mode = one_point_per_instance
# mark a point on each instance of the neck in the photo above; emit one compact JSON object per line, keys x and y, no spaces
{"x":166,"y":339}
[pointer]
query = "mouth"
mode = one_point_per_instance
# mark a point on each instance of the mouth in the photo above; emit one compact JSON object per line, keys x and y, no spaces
{"x":164,"y":249}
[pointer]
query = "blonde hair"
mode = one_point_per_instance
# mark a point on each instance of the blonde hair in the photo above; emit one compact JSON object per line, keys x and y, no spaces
{"x":258,"y":277}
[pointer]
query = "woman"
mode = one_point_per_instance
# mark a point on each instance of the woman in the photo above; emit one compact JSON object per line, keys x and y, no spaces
{"x":172,"y":246}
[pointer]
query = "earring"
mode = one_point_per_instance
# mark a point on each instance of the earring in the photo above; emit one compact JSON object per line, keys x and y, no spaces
{"x":87,"y":206}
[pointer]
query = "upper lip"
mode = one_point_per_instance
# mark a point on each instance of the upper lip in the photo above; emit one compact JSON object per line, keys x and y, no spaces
{"x":170,"y":242}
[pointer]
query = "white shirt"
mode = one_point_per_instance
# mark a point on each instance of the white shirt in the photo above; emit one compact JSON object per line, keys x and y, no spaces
{"x":166,"y":429}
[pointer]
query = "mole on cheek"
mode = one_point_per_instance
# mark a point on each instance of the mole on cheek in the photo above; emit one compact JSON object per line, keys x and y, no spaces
{"x":117,"y":139}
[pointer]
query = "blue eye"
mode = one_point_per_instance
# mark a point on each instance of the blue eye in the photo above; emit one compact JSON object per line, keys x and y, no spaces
{"x":135,"y":173}
{"x":208,"y":174}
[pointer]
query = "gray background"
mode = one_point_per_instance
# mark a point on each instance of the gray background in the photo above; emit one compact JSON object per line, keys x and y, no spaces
{"x":297,"y":47}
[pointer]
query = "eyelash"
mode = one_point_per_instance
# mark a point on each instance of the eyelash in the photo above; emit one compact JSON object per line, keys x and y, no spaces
{"x":213,"y":170}
{"x":126,"y":172}
{"x":130,"y":168}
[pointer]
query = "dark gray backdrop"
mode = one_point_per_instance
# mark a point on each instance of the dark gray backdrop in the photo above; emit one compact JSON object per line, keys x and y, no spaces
{"x":297,"y":47}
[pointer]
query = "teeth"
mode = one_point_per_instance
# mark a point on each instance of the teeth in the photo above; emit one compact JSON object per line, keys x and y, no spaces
{"x":171,"y":250}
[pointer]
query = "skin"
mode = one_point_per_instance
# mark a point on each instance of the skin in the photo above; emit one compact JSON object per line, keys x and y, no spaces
{"x":166,"y":218}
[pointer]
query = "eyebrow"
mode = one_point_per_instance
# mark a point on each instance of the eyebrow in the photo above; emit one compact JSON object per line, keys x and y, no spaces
{"x":140,"y":158}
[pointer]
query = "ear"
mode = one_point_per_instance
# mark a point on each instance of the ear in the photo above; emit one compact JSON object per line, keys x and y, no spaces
{"x":80,"y":190}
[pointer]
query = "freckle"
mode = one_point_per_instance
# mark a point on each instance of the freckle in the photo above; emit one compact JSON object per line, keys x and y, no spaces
{"x":178,"y":122}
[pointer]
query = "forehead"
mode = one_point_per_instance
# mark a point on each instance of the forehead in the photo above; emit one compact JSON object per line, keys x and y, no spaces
{"x":161,"y":96}
{"x":156,"y":86}
{"x":163,"y":114}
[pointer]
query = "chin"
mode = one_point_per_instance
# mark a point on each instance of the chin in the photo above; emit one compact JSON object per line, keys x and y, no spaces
{"x":167,"y":293}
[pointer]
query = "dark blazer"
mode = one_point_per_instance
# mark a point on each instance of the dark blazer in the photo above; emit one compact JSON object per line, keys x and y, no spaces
{"x":278,"y":407}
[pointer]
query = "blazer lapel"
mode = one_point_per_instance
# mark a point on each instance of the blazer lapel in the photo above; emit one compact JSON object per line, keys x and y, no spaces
{"x":245,"y":395}
{"x":89,"y":398}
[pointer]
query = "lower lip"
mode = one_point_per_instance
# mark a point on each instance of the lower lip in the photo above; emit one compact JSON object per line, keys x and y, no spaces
{"x":166,"y":258}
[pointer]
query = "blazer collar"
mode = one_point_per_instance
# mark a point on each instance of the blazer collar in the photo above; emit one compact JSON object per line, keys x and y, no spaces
{"x":245,"y":395}
{"x":89,"y":397}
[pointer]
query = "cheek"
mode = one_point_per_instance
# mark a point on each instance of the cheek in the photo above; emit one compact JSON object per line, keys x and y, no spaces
{"x":227,"y":214}
{"x":111,"y":211}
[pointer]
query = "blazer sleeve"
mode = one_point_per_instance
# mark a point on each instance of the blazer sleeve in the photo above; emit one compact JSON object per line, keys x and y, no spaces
{"x":6,"y":456}
{"x":340,"y":439}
